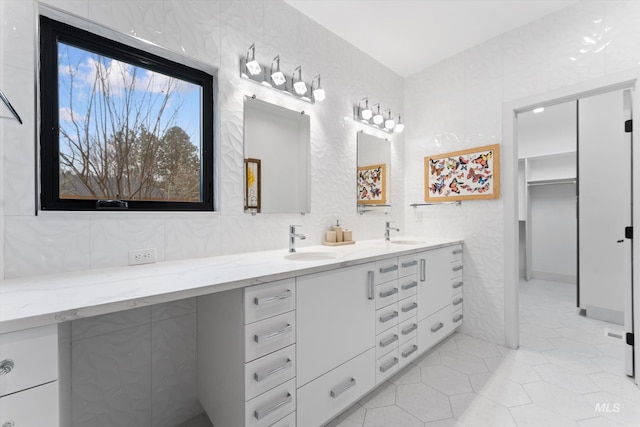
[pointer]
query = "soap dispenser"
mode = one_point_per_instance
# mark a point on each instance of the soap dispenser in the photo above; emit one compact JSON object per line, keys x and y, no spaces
{"x":338,"y":229}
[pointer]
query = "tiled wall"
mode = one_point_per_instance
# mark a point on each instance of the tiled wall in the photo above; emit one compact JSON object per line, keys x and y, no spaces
{"x":457,"y":104}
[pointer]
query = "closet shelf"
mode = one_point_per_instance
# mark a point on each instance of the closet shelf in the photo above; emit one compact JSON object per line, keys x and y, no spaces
{"x":551,"y":181}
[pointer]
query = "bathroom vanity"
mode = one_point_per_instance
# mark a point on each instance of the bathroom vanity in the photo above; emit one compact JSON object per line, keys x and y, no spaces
{"x":282,"y":341}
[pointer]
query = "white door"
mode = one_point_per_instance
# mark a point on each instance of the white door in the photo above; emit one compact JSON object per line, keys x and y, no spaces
{"x":604,"y":209}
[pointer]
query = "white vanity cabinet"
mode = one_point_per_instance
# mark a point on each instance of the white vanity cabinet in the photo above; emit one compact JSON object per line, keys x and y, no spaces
{"x":246,"y":355}
{"x":29,"y":377}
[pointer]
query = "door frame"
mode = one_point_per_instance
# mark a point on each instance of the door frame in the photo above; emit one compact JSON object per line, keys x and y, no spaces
{"x":509,"y":175}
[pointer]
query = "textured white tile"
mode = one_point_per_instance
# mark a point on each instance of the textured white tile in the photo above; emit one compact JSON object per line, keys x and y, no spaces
{"x":534,"y":416}
{"x":446,"y":380}
{"x":18,"y":35}
{"x":566,"y":378}
{"x":526,"y":47}
{"x":524,"y":355}
{"x":474,"y":410}
{"x":193,"y":28}
{"x":622,"y":17}
{"x":558,"y":400}
{"x":477,"y":347}
{"x":141,"y":18}
{"x":76,"y":7}
{"x":463,"y":362}
{"x":244,"y":15}
{"x":512,"y":369}
{"x":422,"y":402}
{"x":483,"y":62}
{"x":109,"y":323}
{"x":572,"y":361}
{"x":173,"y":309}
{"x":195,"y":237}
{"x":499,"y":389}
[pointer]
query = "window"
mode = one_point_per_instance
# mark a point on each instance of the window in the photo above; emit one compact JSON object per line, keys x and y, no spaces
{"x":121,"y":127}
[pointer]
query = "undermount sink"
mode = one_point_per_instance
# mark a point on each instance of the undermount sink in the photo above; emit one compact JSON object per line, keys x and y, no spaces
{"x":310,"y":256}
{"x":407,"y":242}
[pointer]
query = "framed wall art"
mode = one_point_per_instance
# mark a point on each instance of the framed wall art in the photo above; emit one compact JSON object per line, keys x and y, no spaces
{"x":463,"y":175}
{"x":372,"y":184}
{"x":252,"y":184}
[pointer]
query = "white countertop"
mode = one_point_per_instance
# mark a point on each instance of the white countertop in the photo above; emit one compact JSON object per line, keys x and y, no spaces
{"x":40,"y":300}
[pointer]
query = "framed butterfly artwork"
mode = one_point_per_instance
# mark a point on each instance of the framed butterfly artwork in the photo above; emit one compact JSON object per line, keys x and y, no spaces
{"x":463,"y":175}
{"x":372,"y":184}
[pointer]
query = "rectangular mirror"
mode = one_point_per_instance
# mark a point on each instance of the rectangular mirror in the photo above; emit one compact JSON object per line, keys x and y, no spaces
{"x":373,"y":174}
{"x":276,"y":153}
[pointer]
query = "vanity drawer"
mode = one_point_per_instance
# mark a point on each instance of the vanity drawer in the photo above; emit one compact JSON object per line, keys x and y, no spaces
{"x":408,"y":308}
{"x":408,"y":265}
{"x":269,"y":371}
{"x":434,"y":328}
{"x":288,"y":421}
{"x":456,"y":318}
{"x":386,"y":270}
{"x":456,"y":302}
{"x":387,"y":365}
{"x":387,"y":318}
{"x":36,"y":407}
{"x":28,"y":358}
{"x":408,"y":352}
{"x":386,"y":293}
{"x":272,"y":406}
{"x":456,"y":253}
{"x":408,"y":330}
{"x":456,"y":285}
{"x":387,"y":342}
{"x":456,"y":269}
{"x":269,"y":299}
{"x":269,"y":335}
{"x":326,"y":396}
{"x":407,"y":286}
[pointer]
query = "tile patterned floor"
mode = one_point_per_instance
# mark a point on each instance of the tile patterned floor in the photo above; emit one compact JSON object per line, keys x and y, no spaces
{"x":565,"y":369}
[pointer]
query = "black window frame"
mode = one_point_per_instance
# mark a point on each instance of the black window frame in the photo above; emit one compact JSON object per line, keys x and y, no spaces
{"x":52,"y":32}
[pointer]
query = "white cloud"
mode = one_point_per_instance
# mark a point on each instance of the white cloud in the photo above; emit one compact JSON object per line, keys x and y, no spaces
{"x":68,"y":115}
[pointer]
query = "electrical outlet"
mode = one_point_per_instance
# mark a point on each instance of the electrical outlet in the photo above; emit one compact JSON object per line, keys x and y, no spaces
{"x":142,"y":256}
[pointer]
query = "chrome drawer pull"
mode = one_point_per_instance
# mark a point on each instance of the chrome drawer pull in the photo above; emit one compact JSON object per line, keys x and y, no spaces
{"x":423,"y":270}
{"x":457,"y":301}
{"x":261,"y":413}
{"x":389,"y":269}
{"x":457,"y":252}
{"x":384,"y":319}
{"x":371,"y":291}
{"x":389,"y":341}
{"x":437,"y":327}
{"x":385,"y":368}
{"x":409,"y":263}
{"x":458,"y":318}
{"x":273,"y":335}
{"x":6,"y":366}
{"x":457,"y":285}
{"x":409,"y":285}
{"x":457,"y":268}
{"x":342,"y":388}
{"x":410,"y":307}
{"x":260,"y":376}
{"x":267,"y":300}
{"x":410,"y":352}
{"x":389,"y":293}
{"x":410,"y":329}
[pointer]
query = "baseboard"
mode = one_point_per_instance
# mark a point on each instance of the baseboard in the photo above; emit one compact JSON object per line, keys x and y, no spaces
{"x":606,"y":314}
{"x":555,"y":277}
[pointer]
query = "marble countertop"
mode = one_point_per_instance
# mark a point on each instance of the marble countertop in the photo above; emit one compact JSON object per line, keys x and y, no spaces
{"x":40,"y":300}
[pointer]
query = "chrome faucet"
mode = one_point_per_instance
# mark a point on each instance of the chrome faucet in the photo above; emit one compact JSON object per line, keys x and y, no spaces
{"x":387,"y":230}
{"x":292,"y":237}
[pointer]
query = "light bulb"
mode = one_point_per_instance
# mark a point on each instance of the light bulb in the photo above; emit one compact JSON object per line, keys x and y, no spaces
{"x":367,"y":114}
{"x":399,"y":128}
{"x":300,"y":87}
{"x":378,"y":119}
{"x":389,"y":124}
{"x":319,"y":94}
{"x":278,"y":78}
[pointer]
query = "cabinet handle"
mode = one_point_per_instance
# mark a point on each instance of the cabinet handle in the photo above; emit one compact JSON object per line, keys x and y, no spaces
{"x":371,"y":291}
{"x":260,"y":376}
{"x":409,"y":285}
{"x":458,"y":318}
{"x":385,"y":368}
{"x":457,"y":285}
{"x":389,"y":341}
{"x":410,"y":329}
{"x":272,"y":335}
{"x":457,"y":301}
{"x":342,"y":388}
{"x":389,"y":293}
{"x":457,"y":268}
{"x":384,"y":319}
{"x":423,"y":268}
{"x":267,"y":300}
{"x":437,"y":327}
{"x":261,"y":413}
{"x":408,"y":353}
{"x":389,"y":269}
{"x":6,"y":366}
{"x":457,"y":252}
{"x":409,"y":263}
{"x":410,"y":307}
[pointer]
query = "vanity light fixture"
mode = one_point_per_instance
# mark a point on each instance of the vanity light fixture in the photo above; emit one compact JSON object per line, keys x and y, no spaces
{"x":378,"y":119}
{"x":277,"y":77}
{"x":389,"y":123}
{"x":299,"y":86}
{"x":366,"y":114}
{"x":318,"y":92}
{"x":252,"y":65}
{"x":399,"y":127}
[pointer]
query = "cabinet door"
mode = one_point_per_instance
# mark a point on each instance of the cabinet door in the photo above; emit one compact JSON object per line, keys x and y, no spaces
{"x":434,"y":281}
{"x":335,"y":319}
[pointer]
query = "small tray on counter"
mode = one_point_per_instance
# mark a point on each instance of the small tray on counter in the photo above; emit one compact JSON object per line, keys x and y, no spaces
{"x":350,"y":242}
